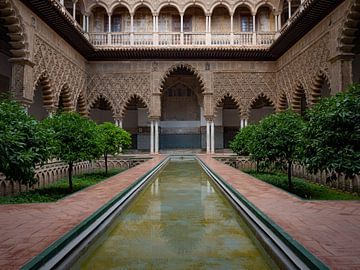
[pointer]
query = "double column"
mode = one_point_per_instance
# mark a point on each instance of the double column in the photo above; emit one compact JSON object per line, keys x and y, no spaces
{"x":154,"y":136}
{"x":210,"y":136}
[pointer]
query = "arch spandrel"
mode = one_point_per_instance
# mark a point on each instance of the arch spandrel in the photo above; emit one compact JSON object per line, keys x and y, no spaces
{"x":124,"y":106}
{"x":220,"y":100}
{"x":187,"y":67}
{"x":256,"y":98}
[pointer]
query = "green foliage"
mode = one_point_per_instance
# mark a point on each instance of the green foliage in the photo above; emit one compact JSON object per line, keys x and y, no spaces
{"x":278,"y":137}
{"x":111,"y":139}
{"x":74,"y":138}
{"x":23,"y":143}
{"x":332,"y":134}
{"x":59,"y":189}
{"x":303,"y":188}
{"x":243,"y":140}
{"x":276,"y":141}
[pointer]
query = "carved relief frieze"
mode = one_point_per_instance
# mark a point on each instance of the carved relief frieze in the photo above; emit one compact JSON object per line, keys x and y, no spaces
{"x":118,"y":88}
{"x":59,"y":70}
{"x":243,"y":87}
{"x":303,"y":68}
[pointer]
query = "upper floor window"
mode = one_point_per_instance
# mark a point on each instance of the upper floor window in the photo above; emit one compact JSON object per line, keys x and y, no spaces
{"x":246,"y":23}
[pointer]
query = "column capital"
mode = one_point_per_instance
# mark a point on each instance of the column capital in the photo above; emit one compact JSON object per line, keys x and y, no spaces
{"x":154,"y":118}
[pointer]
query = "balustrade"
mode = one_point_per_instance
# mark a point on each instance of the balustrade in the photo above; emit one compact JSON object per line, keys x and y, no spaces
{"x":243,"y":39}
{"x":194,"y":39}
{"x":178,"y":39}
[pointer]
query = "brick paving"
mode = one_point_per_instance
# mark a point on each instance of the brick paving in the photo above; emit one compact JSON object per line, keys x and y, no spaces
{"x":27,"y":229}
{"x":328,"y":229}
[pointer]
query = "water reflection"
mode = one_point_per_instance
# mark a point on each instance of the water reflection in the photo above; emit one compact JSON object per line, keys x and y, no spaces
{"x":178,"y":222}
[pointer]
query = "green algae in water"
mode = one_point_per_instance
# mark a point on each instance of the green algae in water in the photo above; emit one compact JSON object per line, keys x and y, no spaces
{"x":179,"y":221}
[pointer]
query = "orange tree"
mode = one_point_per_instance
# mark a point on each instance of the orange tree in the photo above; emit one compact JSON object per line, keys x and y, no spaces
{"x":332,"y":134}
{"x":23,"y":143}
{"x":111,"y":139}
{"x":74,"y":139}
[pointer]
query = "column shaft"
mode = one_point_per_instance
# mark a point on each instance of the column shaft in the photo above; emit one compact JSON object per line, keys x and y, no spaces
{"x":151,"y":137}
{"x":157,"y":137}
{"x":74,"y":10}
{"x":208,"y":137}
{"x":212,"y":137}
{"x":109,"y":30}
{"x":289,"y":9}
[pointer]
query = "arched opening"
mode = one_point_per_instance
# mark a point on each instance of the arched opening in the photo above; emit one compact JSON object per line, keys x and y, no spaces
{"x":243,"y":25}
{"x":300,"y":103}
{"x":99,"y":20}
{"x":136,"y":122}
{"x":99,"y":26}
{"x":42,"y":100}
{"x":120,"y":19}
{"x":120,"y":26}
{"x":264,"y":21}
{"x":295,"y":4}
{"x":283,"y":103}
{"x":101,"y":111}
{"x":169,"y":26}
{"x":320,"y":88}
{"x":220,"y":26}
{"x":229,"y":114}
{"x":194,"y":26}
{"x":81,"y":105}
{"x":143,"y":26}
{"x":182,"y":124}
{"x":64,"y":103}
{"x":260,"y":108}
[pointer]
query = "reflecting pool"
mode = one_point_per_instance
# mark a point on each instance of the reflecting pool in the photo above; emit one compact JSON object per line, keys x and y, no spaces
{"x":179,"y":221}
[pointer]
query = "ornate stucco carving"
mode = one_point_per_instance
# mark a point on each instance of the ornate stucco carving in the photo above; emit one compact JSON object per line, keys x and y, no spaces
{"x":303,"y":69}
{"x":118,"y":88}
{"x":59,"y":71}
{"x":244,"y":87}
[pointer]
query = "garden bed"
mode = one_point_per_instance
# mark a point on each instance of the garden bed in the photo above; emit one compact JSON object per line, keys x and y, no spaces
{"x":59,"y":189}
{"x":302,"y":187}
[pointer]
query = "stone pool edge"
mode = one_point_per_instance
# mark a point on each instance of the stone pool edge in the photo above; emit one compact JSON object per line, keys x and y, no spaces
{"x":307,"y":257}
{"x":45,"y":256}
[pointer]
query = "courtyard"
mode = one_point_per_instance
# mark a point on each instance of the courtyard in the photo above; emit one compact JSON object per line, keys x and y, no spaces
{"x":179,"y":134}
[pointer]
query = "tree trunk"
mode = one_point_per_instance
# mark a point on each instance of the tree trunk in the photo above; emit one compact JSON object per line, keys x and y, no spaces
{"x":70,"y":177}
{"x":289,"y":175}
{"x":106,"y":163}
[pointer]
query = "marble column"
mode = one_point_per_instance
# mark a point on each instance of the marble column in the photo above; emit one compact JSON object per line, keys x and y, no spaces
{"x":151,"y":137}
{"x":207,"y":137}
{"x":156,"y":136}
{"x":212,"y":137}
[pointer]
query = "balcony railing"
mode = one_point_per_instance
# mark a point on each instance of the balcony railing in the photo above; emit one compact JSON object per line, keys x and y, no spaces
{"x":181,"y":39}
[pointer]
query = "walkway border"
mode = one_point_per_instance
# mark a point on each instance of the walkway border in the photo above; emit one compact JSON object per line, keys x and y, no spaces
{"x":54,"y":255}
{"x":295,"y":253}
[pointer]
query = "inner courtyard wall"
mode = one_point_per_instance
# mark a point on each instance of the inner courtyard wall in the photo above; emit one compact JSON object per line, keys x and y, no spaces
{"x":55,"y":63}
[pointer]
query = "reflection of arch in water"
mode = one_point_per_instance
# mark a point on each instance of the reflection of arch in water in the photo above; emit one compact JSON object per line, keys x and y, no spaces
{"x":182,"y":211}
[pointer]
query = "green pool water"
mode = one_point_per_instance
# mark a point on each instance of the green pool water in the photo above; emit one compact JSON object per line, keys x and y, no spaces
{"x":179,"y":221}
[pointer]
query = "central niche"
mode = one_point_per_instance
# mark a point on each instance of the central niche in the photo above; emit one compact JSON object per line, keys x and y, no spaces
{"x":180,"y":104}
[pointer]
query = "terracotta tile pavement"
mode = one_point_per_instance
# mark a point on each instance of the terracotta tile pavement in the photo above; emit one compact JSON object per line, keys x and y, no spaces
{"x":328,"y":229}
{"x":27,"y":229}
